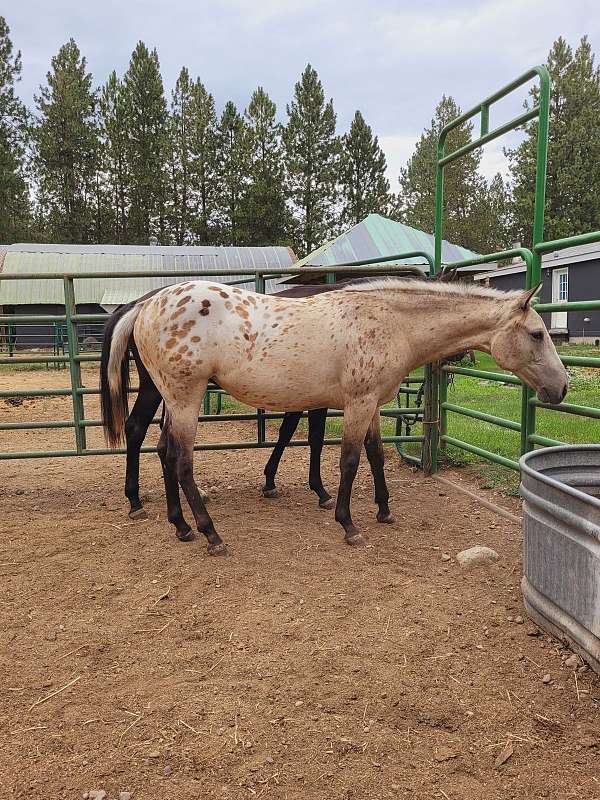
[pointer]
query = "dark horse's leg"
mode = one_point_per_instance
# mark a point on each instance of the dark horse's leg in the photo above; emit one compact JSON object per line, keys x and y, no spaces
{"x":286,"y":431}
{"x":316,"y":437}
{"x":375,"y":454}
{"x":357,"y":418}
{"x":136,"y":427}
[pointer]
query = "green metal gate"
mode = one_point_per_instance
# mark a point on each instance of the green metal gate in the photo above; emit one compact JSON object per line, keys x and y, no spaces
{"x":436,"y":431}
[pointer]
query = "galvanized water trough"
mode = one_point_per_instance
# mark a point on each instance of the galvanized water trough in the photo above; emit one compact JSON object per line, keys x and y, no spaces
{"x":560,"y":487}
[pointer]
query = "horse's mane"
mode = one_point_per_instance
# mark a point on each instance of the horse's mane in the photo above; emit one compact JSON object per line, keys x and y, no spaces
{"x":415,"y":286}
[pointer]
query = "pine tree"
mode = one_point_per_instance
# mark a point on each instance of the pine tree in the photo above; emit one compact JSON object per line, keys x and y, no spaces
{"x":263,"y":208}
{"x":204,"y":167}
{"x":233,"y":173}
{"x":113,"y":131}
{"x":490,"y":219}
{"x":462,"y":182}
{"x":364,"y":186}
{"x":311,"y":158}
{"x":180,"y":154}
{"x":146,"y":130}
{"x":573,"y":175}
{"x":67,"y":148}
{"x":14,"y":202}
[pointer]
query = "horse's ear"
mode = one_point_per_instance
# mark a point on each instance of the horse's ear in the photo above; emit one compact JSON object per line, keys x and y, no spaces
{"x":528,"y":295}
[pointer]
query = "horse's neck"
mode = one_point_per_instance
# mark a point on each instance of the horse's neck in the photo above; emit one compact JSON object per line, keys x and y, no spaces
{"x":442,"y":325}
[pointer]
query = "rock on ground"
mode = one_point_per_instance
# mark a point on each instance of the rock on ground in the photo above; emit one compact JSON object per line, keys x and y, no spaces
{"x":477,"y":557}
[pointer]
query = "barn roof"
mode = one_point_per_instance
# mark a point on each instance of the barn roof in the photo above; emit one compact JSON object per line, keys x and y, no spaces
{"x":59,"y":258}
{"x":379,"y":236}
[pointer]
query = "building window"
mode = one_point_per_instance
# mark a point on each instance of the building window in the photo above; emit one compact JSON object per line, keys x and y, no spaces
{"x":563,"y":287}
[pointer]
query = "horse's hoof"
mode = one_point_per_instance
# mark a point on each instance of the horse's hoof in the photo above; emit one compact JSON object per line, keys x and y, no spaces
{"x":327,"y":505}
{"x":270,"y":493}
{"x":186,"y":537}
{"x":387,"y":519}
{"x":356,"y":540}
{"x":217,"y":549}
{"x":139,"y":513}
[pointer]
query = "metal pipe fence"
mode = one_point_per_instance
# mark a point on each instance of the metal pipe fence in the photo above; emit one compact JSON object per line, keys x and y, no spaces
{"x":438,"y":388}
{"x":73,"y":323}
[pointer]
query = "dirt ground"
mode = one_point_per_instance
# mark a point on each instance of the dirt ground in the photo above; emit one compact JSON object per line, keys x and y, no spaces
{"x":296,"y":667}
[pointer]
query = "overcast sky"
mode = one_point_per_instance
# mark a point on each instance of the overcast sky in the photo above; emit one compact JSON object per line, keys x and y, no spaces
{"x":391,"y":60}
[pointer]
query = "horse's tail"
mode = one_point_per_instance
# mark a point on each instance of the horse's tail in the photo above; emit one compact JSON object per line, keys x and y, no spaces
{"x":114,"y":372}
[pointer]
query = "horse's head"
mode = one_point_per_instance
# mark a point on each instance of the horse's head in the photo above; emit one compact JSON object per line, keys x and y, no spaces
{"x":522,"y":345}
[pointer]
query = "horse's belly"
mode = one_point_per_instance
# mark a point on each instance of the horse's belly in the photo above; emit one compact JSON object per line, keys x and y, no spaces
{"x":284,"y":392}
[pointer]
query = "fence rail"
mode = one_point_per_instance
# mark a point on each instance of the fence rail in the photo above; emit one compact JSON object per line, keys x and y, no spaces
{"x":73,"y":359}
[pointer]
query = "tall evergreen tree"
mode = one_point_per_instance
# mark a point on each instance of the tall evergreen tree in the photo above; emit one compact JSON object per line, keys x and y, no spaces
{"x":233,"y":173}
{"x":67,"y":148}
{"x":573,"y":176}
{"x":311,"y":156}
{"x":204,"y":165}
{"x":490,"y":219}
{"x":146,"y":129}
{"x":364,"y":186}
{"x":462,"y":182}
{"x":14,"y":202}
{"x":113,"y":131}
{"x":180,"y":154}
{"x":264,"y":209}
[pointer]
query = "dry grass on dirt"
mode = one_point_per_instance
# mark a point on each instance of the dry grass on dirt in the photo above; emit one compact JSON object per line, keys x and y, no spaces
{"x":296,"y":667}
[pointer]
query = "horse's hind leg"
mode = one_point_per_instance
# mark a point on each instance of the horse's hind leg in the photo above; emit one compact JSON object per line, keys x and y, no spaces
{"x":375,"y":454}
{"x":316,"y":437}
{"x":286,"y":431}
{"x":136,"y":427}
{"x":357,"y":418}
{"x":168,"y":459}
{"x":182,"y":433}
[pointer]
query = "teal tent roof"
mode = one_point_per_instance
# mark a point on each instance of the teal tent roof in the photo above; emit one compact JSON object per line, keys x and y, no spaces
{"x":380,"y":236}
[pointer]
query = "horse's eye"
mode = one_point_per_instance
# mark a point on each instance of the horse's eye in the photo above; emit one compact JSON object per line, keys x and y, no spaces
{"x":538,"y":335}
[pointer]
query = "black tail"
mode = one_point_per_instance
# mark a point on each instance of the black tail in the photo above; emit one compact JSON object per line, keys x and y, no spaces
{"x":114,"y":409}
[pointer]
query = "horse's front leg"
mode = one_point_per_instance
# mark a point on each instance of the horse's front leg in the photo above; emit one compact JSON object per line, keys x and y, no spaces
{"x":357,"y":418}
{"x":316,"y":437}
{"x":286,"y":431}
{"x":375,"y":454}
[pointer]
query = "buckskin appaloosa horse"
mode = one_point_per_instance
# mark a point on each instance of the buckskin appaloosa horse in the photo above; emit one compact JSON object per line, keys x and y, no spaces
{"x":348,"y":349}
{"x":149,"y":398}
